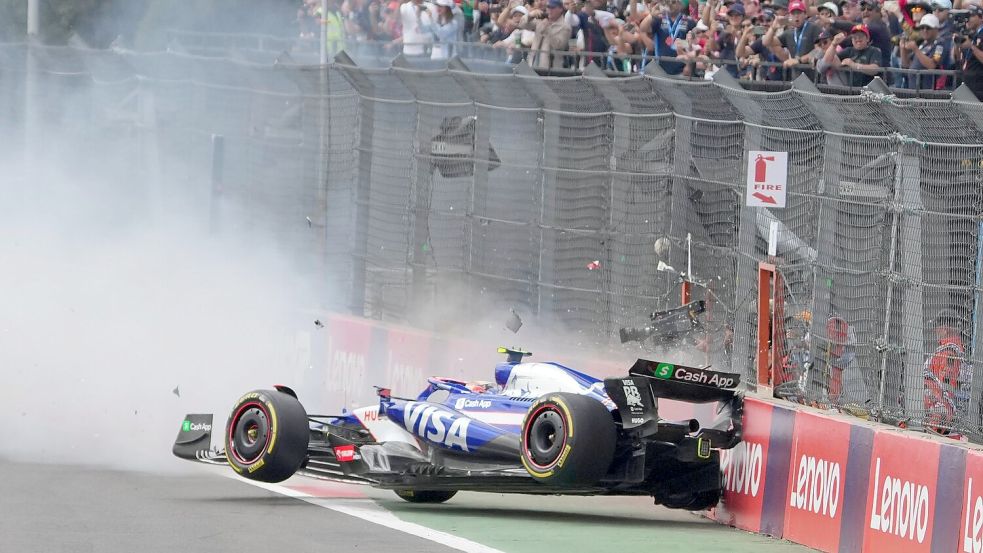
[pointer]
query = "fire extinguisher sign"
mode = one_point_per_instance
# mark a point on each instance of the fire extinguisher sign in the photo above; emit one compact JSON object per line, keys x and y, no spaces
{"x":767,"y":175}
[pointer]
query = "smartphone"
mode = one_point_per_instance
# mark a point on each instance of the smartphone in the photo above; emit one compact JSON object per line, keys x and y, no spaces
{"x":758,"y":30}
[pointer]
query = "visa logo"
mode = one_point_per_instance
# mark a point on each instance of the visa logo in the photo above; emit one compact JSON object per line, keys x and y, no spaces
{"x":436,"y":425}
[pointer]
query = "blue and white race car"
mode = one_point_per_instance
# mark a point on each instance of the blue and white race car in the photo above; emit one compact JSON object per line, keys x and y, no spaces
{"x":540,"y":428}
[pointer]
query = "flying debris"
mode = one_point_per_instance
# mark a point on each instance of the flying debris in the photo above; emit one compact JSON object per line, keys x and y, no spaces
{"x":176,"y":391}
{"x":514,"y":323}
{"x":309,"y":223}
{"x":663,"y":267}
{"x":662,"y":247}
{"x":318,"y":323}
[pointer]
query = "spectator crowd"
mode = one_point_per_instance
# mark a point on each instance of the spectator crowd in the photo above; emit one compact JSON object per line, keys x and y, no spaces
{"x":916,"y":44}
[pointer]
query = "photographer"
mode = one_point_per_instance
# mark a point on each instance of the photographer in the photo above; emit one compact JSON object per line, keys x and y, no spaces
{"x":969,"y":51}
{"x":931,"y":53}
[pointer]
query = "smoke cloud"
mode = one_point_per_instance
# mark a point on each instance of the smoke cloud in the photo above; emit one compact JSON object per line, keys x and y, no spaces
{"x":114,"y":295}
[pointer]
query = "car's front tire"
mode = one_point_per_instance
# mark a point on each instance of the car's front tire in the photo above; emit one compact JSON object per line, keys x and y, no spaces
{"x":266,"y":436}
{"x":567,"y":440}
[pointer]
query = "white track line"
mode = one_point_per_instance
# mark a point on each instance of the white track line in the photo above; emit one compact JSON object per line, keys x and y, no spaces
{"x":378,"y":516}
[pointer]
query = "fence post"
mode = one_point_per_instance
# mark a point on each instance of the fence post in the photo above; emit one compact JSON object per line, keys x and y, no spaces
{"x":479,"y":177}
{"x":621,"y":141}
{"x":912,"y":296}
{"x":546,"y":279}
{"x":366,"y":112}
{"x":770,"y":327}
{"x":747,"y":239}
{"x":421,"y":196}
{"x":680,"y":171}
{"x":706,"y":163}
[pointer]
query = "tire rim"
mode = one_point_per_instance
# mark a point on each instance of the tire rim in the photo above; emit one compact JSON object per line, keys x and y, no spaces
{"x":546,"y":437}
{"x":249,"y":432}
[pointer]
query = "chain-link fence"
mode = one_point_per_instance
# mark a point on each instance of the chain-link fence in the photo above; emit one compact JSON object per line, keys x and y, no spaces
{"x":411,"y":187}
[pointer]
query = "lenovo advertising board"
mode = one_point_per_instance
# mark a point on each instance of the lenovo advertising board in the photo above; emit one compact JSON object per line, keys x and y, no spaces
{"x":745,"y":470}
{"x":970,"y":530}
{"x":817,"y":481}
{"x":901,"y":493}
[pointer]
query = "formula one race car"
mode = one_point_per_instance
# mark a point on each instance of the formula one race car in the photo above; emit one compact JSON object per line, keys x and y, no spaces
{"x":541,"y":428}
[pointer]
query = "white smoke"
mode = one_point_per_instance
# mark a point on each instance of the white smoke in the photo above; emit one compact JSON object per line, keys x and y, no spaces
{"x":108,"y":304}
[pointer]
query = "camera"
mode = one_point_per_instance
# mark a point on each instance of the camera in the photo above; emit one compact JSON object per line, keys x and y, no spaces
{"x":959,"y":18}
{"x":666,"y":326}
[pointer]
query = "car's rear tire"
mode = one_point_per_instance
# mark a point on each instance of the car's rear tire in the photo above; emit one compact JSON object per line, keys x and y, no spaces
{"x":266,"y":436}
{"x":567,"y":440}
{"x":426,"y":496}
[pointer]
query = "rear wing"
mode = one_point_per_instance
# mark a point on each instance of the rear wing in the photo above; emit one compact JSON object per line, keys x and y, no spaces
{"x":686,"y":383}
{"x":637,"y":395}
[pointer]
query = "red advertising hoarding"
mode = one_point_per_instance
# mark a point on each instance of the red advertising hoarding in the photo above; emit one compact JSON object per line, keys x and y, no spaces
{"x":971,"y":522}
{"x":408,"y":362}
{"x":901,"y":493}
{"x":745,"y":470}
{"x":816,"y":481}
{"x":346,"y":357}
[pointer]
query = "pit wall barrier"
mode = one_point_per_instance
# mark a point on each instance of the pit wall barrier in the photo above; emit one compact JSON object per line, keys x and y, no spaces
{"x":789,"y":478}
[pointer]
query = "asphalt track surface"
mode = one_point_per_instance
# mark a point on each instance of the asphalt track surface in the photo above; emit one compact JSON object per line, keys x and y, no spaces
{"x":47,"y":508}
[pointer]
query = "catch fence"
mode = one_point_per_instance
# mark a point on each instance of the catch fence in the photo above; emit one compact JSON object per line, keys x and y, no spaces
{"x":415,"y":192}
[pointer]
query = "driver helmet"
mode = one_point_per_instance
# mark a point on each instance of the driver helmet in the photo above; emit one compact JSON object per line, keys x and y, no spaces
{"x":481,"y":386}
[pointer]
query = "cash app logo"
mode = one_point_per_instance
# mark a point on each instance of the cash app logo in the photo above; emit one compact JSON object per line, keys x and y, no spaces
{"x":186,"y":426}
{"x":663,"y":370}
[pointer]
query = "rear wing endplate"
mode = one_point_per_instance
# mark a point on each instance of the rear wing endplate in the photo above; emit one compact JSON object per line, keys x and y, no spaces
{"x":194,"y":440}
